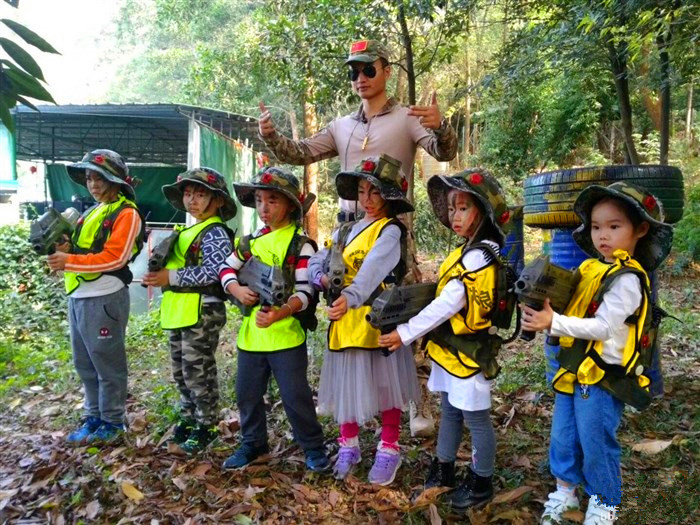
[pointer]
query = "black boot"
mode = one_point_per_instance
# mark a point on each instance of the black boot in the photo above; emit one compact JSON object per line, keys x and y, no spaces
{"x":199,"y":438}
{"x":441,"y":474}
{"x":182,"y":430}
{"x":473,"y":492}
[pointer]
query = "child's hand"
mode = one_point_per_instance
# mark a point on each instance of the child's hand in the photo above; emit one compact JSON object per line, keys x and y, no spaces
{"x":338,"y":308}
{"x":63,"y":246}
{"x":535,"y":321}
{"x":325,"y":282}
{"x":392,"y":341}
{"x":160,"y":278}
{"x":265,"y":318}
{"x":244,"y":294}
{"x":57,"y":261}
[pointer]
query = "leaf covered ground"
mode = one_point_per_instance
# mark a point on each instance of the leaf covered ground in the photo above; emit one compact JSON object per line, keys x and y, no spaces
{"x":143,"y":481}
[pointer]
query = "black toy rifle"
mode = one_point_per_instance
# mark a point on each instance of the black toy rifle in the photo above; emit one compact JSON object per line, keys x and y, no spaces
{"x":52,"y":228}
{"x":159,"y":255}
{"x":266,"y":281}
{"x":335,"y":270}
{"x":398,"y":304}
{"x":540,"y":280}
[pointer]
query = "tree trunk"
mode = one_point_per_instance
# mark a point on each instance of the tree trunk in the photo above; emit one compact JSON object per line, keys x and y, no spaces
{"x":311,"y":170}
{"x":650,"y":100}
{"x":618,"y":64}
{"x":408,"y":48}
{"x":662,"y":42}
{"x":689,"y":114}
{"x":468,"y":110}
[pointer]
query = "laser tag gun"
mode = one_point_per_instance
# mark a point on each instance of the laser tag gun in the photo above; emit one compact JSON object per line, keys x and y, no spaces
{"x":542,"y":279}
{"x":334,"y":265}
{"x":159,"y":255}
{"x":335,"y":270}
{"x":52,"y":228}
{"x":398,"y":304}
{"x":266,"y":281}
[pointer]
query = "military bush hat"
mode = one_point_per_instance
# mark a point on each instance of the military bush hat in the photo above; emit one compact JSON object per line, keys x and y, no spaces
{"x":208,"y":178}
{"x":110,"y":165}
{"x":653,"y":248}
{"x":479,"y":183}
{"x":384,"y":173}
{"x":276,"y":179}
{"x":367,"y":51}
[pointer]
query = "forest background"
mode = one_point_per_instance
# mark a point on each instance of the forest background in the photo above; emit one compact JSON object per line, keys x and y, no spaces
{"x":529,"y":86}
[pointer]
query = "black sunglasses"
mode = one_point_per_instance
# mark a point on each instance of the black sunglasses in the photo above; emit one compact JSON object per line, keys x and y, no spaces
{"x":369,"y":71}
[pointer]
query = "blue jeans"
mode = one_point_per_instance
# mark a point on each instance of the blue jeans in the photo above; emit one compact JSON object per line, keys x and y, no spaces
{"x":584,"y":448}
{"x":452,"y":421}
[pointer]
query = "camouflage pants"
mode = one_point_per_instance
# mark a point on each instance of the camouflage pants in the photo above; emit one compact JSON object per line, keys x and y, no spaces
{"x":194,"y":365}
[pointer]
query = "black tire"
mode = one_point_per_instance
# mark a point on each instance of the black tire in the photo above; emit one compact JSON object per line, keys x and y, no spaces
{"x":550,"y":196}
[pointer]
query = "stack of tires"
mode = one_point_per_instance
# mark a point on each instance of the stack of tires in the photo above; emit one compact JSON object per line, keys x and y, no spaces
{"x":549,"y":199}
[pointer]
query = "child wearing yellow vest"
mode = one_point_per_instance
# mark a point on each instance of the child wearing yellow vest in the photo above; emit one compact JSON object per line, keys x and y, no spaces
{"x":601,"y":340}
{"x":272,"y":340}
{"x":108,"y":236}
{"x":472,"y":205}
{"x":192,"y":308}
{"x":357,"y":380}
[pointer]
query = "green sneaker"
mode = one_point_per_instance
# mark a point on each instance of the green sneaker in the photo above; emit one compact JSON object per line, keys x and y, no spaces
{"x":200,"y":438}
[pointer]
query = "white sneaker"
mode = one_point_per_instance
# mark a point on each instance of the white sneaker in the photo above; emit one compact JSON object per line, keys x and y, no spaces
{"x":558,"y":503}
{"x":599,"y":514}
{"x":422,"y":423}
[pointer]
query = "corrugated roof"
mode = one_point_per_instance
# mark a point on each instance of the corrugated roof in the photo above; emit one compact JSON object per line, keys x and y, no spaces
{"x":142,"y":133}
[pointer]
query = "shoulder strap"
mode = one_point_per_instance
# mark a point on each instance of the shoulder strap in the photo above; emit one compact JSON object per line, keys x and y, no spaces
{"x":306,"y":317}
{"x":193,"y":255}
{"x":106,"y":229}
{"x":607,"y":283}
{"x":243,"y":251}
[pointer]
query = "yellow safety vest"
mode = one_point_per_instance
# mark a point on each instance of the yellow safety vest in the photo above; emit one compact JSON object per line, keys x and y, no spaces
{"x":353,"y":330}
{"x":182,"y":309}
{"x":271,"y":249}
{"x":593,"y":274}
{"x":480,"y":290}
{"x":87,"y":232}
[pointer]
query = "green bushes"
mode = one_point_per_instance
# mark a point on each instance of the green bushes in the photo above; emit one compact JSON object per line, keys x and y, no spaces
{"x":686,"y":237}
{"x":34,"y":344}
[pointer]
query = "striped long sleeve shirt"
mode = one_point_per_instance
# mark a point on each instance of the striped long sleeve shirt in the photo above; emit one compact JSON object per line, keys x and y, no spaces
{"x":303,"y":290}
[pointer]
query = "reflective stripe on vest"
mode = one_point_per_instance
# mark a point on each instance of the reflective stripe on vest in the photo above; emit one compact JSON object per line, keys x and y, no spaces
{"x":87,"y":232}
{"x":594,"y":274}
{"x":480,"y":290}
{"x":353,"y":330}
{"x":182,"y":309}
{"x":271,"y":249}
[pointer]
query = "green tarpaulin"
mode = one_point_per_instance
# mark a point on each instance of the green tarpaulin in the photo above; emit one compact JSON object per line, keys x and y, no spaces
{"x":236,"y":163}
{"x":149,"y":196}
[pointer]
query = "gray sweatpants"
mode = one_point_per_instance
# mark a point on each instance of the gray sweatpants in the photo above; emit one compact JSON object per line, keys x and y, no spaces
{"x":452,"y":421}
{"x":98,"y":328}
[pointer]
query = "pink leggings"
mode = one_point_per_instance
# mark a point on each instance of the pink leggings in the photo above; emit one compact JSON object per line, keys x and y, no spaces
{"x":391,"y":419}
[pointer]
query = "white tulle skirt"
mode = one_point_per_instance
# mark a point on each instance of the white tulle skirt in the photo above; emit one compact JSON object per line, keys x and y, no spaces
{"x":356,"y":385}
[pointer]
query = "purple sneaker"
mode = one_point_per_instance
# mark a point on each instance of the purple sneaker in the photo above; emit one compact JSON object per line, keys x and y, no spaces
{"x":348,"y":457}
{"x":386,"y":464}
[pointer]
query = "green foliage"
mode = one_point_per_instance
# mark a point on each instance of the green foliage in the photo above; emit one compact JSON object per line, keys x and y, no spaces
{"x":431,"y":235}
{"x":686,"y":237}
{"x":20,"y":76}
{"x":33,"y":300}
{"x":34,"y":340}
